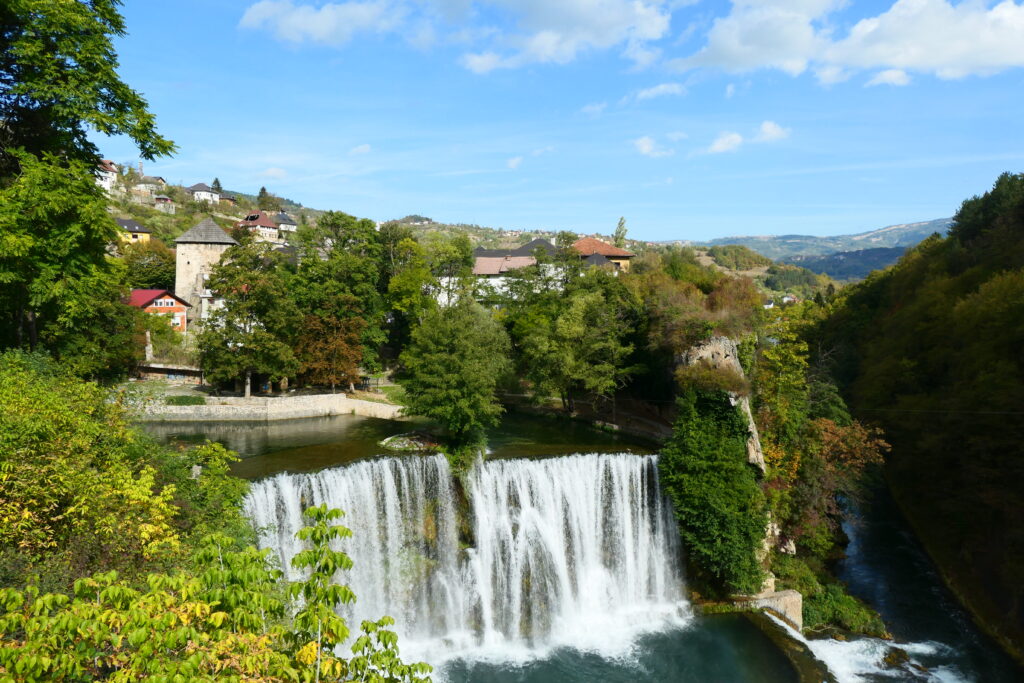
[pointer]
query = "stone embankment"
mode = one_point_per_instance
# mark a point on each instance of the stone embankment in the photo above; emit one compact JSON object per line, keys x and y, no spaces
{"x":262,"y":409}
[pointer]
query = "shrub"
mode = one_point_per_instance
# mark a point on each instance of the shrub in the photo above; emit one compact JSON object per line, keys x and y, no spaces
{"x":187,"y":400}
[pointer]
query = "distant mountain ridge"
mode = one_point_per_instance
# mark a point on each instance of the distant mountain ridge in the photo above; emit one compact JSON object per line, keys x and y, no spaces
{"x":785,"y":247}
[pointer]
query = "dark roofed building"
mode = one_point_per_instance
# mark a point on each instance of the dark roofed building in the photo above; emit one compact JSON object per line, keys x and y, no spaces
{"x":206,"y":232}
{"x":136,"y":231}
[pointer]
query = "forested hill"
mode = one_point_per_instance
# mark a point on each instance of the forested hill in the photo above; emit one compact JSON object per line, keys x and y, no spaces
{"x":850,"y":265}
{"x":932,"y":350}
{"x":784,"y":247}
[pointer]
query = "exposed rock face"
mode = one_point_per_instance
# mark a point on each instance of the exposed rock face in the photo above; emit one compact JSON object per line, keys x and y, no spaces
{"x":721,"y":352}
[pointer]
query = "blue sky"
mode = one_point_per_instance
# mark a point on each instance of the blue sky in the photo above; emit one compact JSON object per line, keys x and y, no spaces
{"x":692,"y":119}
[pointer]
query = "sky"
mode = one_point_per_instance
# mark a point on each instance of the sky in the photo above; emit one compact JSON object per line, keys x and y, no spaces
{"x":691,"y":119}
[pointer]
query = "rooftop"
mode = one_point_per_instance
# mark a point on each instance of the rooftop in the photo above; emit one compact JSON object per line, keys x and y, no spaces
{"x":144,"y":297}
{"x":589,"y":245}
{"x":206,"y":232}
{"x":131,"y":225}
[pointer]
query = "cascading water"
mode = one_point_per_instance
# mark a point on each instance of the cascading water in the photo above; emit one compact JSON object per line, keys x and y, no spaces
{"x":579,"y":550}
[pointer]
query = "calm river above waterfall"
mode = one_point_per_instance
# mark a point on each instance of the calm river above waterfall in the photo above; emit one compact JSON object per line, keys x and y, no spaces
{"x":571,"y":570}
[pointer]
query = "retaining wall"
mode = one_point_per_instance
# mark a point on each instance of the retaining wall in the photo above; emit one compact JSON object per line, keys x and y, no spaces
{"x":259,"y":409}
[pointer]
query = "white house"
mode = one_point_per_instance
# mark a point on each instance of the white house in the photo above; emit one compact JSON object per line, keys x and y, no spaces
{"x":107,"y":175}
{"x":285,"y":222}
{"x":201,"y":192}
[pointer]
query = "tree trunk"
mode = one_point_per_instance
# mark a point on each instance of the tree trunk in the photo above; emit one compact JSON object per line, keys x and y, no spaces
{"x":248,"y":383}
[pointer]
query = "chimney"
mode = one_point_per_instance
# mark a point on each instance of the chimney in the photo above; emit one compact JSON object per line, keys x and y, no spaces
{"x":140,"y":168}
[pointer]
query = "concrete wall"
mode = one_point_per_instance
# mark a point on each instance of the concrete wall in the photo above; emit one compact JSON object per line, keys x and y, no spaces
{"x":258,"y":409}
{"x":788,"y":604}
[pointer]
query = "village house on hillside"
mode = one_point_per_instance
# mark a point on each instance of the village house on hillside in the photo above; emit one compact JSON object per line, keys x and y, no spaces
{"x":132,"y":230}
{"x":196,"y":252}
{"x":106,"y":175}
{"x":285,"y":223}
{"x":201,"y":192}
{"x":162,"y":302}
{"x":597,"y":253}
{"x":261,"y":224}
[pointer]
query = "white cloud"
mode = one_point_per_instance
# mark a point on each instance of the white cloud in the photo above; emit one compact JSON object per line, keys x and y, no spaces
{"x":730,"y":90}
{"x":330,"y":24}
{"x":514,"y":162}
{"x":926,"y":36}
{"x":889,"y":77}
{"x":649,"y":148}
{"x":594,"y":109}
{"x":539,"y":31}
{"x":677,"y":135}
{"x":360,"y":149}
{"x":661,"y":90}
{"x":542,"y":150}
{"x":726,"y":142}
{"x":274,"y":172}
{"x":770,"y":131}
{"x":481,"y":63}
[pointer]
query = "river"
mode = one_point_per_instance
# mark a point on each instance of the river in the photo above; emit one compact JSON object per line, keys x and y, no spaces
{"x":571,"y":570}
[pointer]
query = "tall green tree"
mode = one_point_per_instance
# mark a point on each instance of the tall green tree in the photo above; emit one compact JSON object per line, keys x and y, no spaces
{"x":58,"y":80}
{"x":452,"y":368}
{"x":253,"y":331}
{"x":338,"y":275}
{"x":216,"y":186}
{"x":59,"y":290}
{"x":619,"y":238}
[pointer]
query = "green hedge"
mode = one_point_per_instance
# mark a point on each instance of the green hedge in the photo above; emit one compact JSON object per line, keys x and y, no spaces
{"x":189,"y":400}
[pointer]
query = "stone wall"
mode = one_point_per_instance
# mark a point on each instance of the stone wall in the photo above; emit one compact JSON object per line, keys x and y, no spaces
{"x":259,"y":409}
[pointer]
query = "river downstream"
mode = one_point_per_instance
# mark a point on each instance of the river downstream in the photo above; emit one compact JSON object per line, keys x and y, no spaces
{"x":542,"y":569}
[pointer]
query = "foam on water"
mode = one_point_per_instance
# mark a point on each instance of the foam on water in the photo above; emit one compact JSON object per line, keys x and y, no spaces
{"x":863,"y":660}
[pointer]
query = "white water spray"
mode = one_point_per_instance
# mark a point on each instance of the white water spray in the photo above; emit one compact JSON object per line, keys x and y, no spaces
{"x":578,"y":551}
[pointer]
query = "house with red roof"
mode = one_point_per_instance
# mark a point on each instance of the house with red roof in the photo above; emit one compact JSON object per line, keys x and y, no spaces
{"x":595,"y":252}
{"x":162,"y":302}
{"x":261,"y":224}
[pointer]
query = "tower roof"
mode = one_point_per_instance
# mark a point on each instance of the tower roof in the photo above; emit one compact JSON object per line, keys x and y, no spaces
{"x":206,"y":232}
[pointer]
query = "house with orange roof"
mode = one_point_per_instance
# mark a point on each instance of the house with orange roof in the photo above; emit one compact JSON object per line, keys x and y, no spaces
{"x":595,"y":252}
{"x":162,"y":302}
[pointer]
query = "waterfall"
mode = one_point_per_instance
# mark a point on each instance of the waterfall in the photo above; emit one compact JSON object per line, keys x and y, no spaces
{"x":577,"y":550}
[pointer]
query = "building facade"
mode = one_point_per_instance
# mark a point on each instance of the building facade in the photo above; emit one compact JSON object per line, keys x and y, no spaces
{"x":196,"y":253}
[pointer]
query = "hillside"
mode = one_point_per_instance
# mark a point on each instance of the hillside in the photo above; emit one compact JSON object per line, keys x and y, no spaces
{"x":785,"y":247}
{"x":850,"y":265}
{"x":930,"y":350}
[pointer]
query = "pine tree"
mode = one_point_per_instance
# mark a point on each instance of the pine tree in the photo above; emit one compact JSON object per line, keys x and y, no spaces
{"x":216,"y":185}
{"x":265,"y":200}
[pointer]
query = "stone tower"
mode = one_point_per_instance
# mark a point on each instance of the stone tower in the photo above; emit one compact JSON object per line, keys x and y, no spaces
{"x":196,"y":252}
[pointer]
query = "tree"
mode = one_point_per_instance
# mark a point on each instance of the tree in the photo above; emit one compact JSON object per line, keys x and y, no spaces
{"x":620,"y":233}
{"x":714,"y":492}
{"x":579,"y":339}
{"x":149,"y":264}
{"x":265,"y":200}
{"x":338,"y":275}
{"x":58,"y":79}
{"x":330,"y":350}
{"x":252,"y":332}
{"x":452,"y":367}
{"x":216,"y":187}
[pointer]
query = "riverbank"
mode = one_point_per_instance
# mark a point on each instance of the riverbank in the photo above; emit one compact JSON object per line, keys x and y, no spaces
{"x":264,"y":409}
